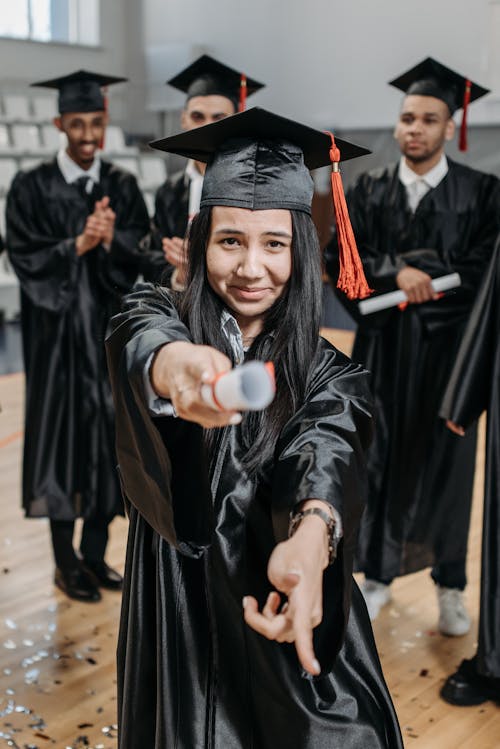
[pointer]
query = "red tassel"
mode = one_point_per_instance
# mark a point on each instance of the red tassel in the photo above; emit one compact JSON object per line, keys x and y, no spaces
{"x":462,"y":143}
{"x":352,"y":280}
{"x":105,"y":96}
{"x":243,"y":93}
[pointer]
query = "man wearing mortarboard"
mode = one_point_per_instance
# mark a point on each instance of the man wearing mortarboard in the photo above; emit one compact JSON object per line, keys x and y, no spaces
{"x":213,"y":91}
{"x":425,"y":217}
{"x":73,"y":226}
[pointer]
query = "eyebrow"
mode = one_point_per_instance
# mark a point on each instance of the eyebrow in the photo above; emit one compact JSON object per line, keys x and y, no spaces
{"x":424,"y":114}
{"x":229,"y":230}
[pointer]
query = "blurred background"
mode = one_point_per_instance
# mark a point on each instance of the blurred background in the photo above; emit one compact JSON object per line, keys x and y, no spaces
{"x":325,"y":63}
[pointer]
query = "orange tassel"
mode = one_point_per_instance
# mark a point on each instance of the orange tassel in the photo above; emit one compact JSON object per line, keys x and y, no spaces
{"x":462,"y":143}
{"x":352,"y":280}
{"x":243,"y":93}
{"x":105,"y":95}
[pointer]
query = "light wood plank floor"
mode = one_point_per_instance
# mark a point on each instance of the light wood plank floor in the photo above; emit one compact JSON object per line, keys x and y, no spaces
{"x":57,"y":671}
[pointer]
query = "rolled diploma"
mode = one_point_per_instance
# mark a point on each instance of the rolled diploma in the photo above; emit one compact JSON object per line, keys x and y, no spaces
{"x":250,"y":387}
{"x":393,"y":298}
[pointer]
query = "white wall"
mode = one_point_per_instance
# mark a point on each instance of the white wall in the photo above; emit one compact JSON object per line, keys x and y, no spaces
{"x":327,"y":61}
{"x":23,"y":62}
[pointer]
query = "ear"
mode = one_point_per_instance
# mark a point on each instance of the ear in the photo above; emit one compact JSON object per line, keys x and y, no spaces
{"x":449,"y":132}
{"x":184,"y":120}
{"x":105,"y":119}
{"x":58,"y":123}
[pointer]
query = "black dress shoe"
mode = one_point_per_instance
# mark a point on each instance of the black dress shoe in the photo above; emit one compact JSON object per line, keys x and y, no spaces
{"x":77,"y":583}
{"x":105,"y":576}
{"x":466,"y":687}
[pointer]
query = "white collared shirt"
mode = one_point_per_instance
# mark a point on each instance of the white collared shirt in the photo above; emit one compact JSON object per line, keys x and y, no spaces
{"x":418,"y":185}
{"x":195,"y":187}
{"x":72,"y":172}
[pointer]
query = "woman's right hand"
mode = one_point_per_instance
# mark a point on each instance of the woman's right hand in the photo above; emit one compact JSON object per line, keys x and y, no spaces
{"x":178,"y":371}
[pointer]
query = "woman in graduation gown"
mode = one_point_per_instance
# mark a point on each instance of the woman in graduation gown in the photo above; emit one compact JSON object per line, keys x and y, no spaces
{"x":473,"y":388}
{"x":203,"y":536}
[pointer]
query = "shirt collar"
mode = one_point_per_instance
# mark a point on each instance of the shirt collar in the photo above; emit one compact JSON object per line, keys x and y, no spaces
{"x":232,"y":331}
{"x":192,"y":171}
{"x":71,"y":171}
{"x":432,"y":178}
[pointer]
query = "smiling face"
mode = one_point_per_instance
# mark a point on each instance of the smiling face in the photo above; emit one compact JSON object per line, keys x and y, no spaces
{"x":84,"y":131}
{"x":423,"y":127}
{"x":249,"y":261}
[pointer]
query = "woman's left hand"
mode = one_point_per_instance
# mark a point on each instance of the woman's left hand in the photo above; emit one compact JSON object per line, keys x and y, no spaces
{"x":295,"y":569}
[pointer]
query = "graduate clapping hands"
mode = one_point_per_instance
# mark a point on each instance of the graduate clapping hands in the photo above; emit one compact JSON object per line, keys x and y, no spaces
{"x":99,"y":228}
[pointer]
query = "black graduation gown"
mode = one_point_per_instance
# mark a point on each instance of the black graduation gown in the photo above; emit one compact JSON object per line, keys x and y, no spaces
{"x":190,"y":671}
{"x":420,"y":474}
{"x":170,"y":220}
{"x":475,"y":386}
{"x":66,"y":302}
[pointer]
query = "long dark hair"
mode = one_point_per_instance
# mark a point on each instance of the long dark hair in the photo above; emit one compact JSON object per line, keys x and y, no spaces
{"x":289,"y":337}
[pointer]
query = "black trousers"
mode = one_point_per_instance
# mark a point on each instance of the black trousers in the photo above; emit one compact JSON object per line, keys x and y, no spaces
{"x":92,"y":546}
{"x":447,"y":575}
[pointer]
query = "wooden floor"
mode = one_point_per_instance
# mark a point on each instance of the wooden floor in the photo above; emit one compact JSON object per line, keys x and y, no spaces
{"x":57,"y":672}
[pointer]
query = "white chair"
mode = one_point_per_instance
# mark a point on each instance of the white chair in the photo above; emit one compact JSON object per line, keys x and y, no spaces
{"x":114,"y":140}
{"x":26,"y":137}
{"x":114,"y":143}
{"x":44,"y":108}
{"x":4,"y":138}
{"x":8,"y":170}
{"x":153,"y":172}
{"x":16,"y":107}
{"x":30,"y":162}
{"x":2,"y":218}
{"x":51,"y":137}
{"x":9,"y":285}
{"x":129,"y":163}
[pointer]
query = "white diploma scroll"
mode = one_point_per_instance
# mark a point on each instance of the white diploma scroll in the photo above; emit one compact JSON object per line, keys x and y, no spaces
{"x":393,"y":298}
{"x":250,"y":387}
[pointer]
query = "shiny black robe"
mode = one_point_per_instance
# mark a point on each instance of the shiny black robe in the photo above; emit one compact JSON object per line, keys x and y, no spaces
{"x":170,"y":220}
{"x":420,"y":474}
{"x":474,"y":387}
{"x":190,"y":671}
{"x":66,"y":302}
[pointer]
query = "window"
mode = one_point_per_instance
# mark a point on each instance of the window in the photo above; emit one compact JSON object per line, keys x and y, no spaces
{"x":70,"y":21}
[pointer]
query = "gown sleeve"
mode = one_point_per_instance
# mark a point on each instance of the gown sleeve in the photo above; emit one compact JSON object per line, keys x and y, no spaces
{"x":321,"y":455}
{"x":119,"y":267}
{"x":155,"y":268}
{"x":481,"y":241}
{"x":47,"y":266}
{"x":469,"y":386}
{"x":162,"y":462}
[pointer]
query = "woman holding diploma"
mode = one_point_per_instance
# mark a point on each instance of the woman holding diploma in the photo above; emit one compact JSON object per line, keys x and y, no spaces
{"x":241,"y":626}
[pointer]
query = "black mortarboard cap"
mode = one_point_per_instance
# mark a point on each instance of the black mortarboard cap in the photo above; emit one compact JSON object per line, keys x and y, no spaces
{"x":431,"y":78}
{"x":260,"y":160}
{"x":81,"y":91}
{"x":206,"y":76}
